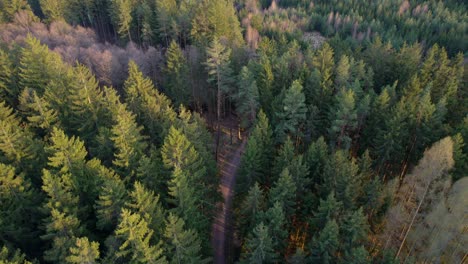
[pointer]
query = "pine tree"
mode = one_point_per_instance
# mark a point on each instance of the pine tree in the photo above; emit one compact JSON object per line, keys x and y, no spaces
{"x":354,"y":229}
{"x":284,"y":158}
{"x":324,"y":247}
{"x":250,"y":210}
{"x":275,"y":219}
{"x":111,"y":200}
{"x":146,"y":203}
{"x":136,"y":237}
{"x":54,"y":9}
{"x":167,"y":11}
{"x":323,"y":61}
{"x":17,"y":145}
{"x":84,"y":252}
{"x":329,"y":209}
{"x":152,"y":108}
{"x":16,"y":258}
{"x":37,"y":110}
{"x":342,"y":72}
{"x":291,"y":118}
{"x":176,"y":70}
{"x":247,"y":96}
{"x":8,"y":89}
{"x":259,"y":247}
{"x":86,"y":103}
{"x":184,"y":246}
{"x":316,"y":157}
{"x":340,"y":176}
{"x":129,"y":143}
{"x":219,"y":71}
{"x":121,"y":14}
{"x":249,"y":171}
{"x":18,"y":202}
{"x":343,"y":119}
{"x":284,"y":192}
{"x":38,"y":66}
{"x":358,"y":255}
{"x":262,"y":134}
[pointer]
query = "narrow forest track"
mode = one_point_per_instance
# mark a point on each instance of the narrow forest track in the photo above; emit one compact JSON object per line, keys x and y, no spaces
{"x":228,"y":163}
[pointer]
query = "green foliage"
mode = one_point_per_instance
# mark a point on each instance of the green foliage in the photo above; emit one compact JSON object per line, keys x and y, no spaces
{"x":121,"y":14}
{"x":136,"y":236}
{"x":16,"y":258}
{"x":343,"y":119}
{"x":259,"y":246}
{"x":111,"y":200}
{"x":84,"y":252}
{"x":184,"y":245}
{"x":129,"y":143}
{"x":284,"y":192}
{"x":177,"y":86}
{"x":292,"y":116}
{"x":324,"y":247}
{"x":247,"y":96}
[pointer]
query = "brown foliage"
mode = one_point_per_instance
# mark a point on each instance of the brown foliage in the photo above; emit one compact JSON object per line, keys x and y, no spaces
{"x":77,"y":44}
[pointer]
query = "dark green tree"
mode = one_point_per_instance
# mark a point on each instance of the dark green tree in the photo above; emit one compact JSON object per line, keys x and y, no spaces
{"x":291,"y":118}
{"x":259,"y":247}
{"x":184,"y":246}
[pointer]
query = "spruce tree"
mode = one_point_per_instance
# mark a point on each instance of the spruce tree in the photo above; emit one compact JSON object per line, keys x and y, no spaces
{"x":129,"y":143}
{"x":146,"y":203}
{"x":324,"y":247}
{"x":291,"y":118}
{"x":354,"y":229}
{"x":84,"y":252}
{"x":343,"y":119}
{"x":329,"y":209}
{"x":109,"y":204}
{"x":177,"y":86}
{"x":184,"y":245}
{"x":38,"y":111}
{"x":284,"y":192}
{"x":259,"y":247}
{"x":247,"y":95}
{"x":133,"y":230}
{"x":251,"y":208}
{"x":16,"y":258}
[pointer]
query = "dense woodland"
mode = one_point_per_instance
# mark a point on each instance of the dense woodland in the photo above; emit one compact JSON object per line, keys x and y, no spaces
{"x":354,"y":112}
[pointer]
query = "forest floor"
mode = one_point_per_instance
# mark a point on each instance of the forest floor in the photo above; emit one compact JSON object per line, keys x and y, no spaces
{"x":230,"y":151}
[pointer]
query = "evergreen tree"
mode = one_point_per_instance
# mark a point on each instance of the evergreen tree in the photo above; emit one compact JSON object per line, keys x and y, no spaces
{"x":284,"y":192}
{"x":84,"y":252}
{"x":37,"y":110}
{"x":219,"y":71}
{"x":358,"y":255}
{"x":343,"y":119}
{"x":284,"y":158}
{"x":18,"y":203}
{"x":136,"y":237}
{"x":111,"y":200}
{"x":324,"y":247}
{"x":342,"y":72}
{"x":329,"y":209}
{"x":167,"y":11}
{"x":176,"y":70}
{"x":17,"y":146}
{"x":38,"y":66}
{"x":340,"y":176}
{"x":354,"y":229}
{"x":293,"y":113}
{"x":8,"y":89}
{"x":121,"y":14}
{"x":247,"y":96}
{"x":16,"y":258}
{"x":129,"y":143}
{"x":146,"y":203}
{"x":54,"y":9}
{"x":152,"y":108}
{"x":249,"y":170}
{"x":250,"y":210}
{"x":259,"y":247}
{"x":184,"y":245}
{"x":275,"y":219}
{"x":86,"y":103}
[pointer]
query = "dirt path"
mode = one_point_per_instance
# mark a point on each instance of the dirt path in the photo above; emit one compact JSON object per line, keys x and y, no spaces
{"x":228,"y":167}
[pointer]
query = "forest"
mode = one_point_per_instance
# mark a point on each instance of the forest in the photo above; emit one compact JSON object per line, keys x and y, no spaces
{"x":233,"y":131}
